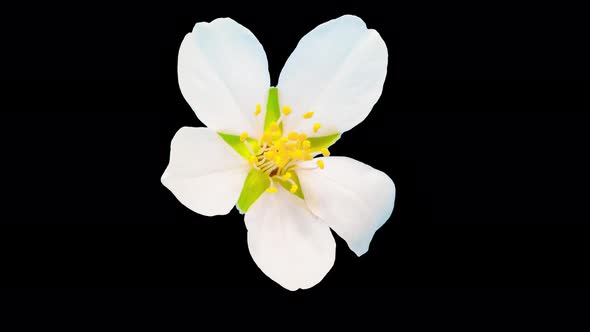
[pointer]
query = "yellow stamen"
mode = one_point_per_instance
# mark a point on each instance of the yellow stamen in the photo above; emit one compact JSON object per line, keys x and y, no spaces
{"x":267,"y":137}
{"x":243,"y":136}
{"x":283,"y":153}
{"x":316,"y":127}
{"x":321,"y":164}
{"x":297,"y":154}
{"x":273,"y":127}
{"x":278,"y":152}
{"x":280,"y":161}
{"x":268,"y":155}
{"x":291,"y":146}
{"x":287,"y":110}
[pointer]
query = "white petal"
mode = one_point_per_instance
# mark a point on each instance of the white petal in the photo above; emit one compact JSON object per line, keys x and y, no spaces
{"x":205,"y":173}
{"x":223,"y":74}
{"x":289,"y":244}
{"x":337,"y":71}
{"x":353,"y":198}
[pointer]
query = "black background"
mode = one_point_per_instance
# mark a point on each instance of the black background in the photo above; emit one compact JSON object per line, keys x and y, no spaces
{"x":482,"y":125}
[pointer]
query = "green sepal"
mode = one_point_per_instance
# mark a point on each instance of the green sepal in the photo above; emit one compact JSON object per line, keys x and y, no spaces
{"x":287,"y":184}
{"x":254,"y":186}
{"x":273,"y":109}
{"x":319,"y":142}
{"x":239,"y":146}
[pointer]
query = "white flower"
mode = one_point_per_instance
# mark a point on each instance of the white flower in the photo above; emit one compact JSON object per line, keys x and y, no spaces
{"x":257,"y":150}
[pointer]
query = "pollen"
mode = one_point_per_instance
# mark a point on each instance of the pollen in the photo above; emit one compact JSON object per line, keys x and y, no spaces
{"x":316,"y":127}
{"x":243,"y":136}
{"x":308,"y":115}
{"x":258,"y":109}
{"x":271,"y":190}
{"x":293,"y":136}
{"x":325,"y":152}
{"x":294,"y":188}
{"x":287,"y":110}
{"x":320,"y":164}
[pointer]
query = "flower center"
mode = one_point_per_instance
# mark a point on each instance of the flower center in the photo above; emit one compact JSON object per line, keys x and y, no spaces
{"x":277,"y":155}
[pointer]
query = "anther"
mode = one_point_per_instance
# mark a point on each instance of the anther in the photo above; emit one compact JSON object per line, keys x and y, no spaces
{"x":308,"y":115}
{"x":287,"y":110}
{"x":271,"y":190}
{"x":305,"y":144}
{"x":316,"y":127}
{"x":294,"y":188}
{"x":258,"y":109}
{"x":320,"y":164}
{"x":325,"y":152}
{"x":274,"y":127}
{"x":297,"y":154}
{"x":280,"y":161}
{"x":269,"y":154}
{"x":267,"y":138}
{"x":287,"y":176}
{"x":243,"y":136}
{"x":293,"y":136}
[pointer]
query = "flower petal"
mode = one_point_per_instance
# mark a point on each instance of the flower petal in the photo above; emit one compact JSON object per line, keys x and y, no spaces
{"x":336,"y":71}
{"x":288,"y":243}
{"x":353,"y":198}
{"x":223,"y":75}
{"x":205,"y":174}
